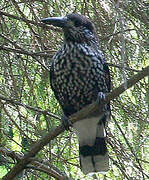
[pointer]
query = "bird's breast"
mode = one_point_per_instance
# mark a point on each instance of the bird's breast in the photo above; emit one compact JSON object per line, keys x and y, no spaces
{"x":77,"y":77}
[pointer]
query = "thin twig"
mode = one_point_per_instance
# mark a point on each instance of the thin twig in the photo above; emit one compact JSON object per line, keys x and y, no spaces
{"x":14,"y":102}
{"x":36,"y":164}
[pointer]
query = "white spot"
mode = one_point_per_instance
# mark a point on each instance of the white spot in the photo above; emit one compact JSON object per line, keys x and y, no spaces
{"x":86,"y":130}
{"x":101,"y":163}
{"x":87,"y":165}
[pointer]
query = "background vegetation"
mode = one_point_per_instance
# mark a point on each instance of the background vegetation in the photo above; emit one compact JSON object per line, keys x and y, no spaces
{"x":28,"y":109}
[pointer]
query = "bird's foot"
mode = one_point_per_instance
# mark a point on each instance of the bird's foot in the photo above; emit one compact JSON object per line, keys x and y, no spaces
{"x":101,"y":97}
{"x":66,"y":122}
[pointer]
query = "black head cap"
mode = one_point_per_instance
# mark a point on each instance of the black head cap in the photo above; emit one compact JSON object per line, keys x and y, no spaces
{"x":76,"y":27}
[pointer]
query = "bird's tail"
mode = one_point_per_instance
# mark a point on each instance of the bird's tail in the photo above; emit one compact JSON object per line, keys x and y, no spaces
{"x":95,"y":158}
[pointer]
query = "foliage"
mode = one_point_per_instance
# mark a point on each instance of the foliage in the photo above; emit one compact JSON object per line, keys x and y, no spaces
{"x":26,"y":49}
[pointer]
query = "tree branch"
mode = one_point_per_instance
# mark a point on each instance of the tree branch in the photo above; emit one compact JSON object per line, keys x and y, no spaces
{"x":22,"y":51}
{"x":121,"y":67}
{"x":14,"y":102}
{"x":45,"y":54}
{"x":2,"y":13}
{"x":37,"y":164}
{"x":75,"y":117}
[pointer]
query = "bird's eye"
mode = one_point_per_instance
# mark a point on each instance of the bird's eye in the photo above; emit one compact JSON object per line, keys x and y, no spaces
{"x":77,"y":23}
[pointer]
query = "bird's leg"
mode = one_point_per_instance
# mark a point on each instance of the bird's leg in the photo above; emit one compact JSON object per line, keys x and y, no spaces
{"x":101,"y":97}
{"x":66,"y":122}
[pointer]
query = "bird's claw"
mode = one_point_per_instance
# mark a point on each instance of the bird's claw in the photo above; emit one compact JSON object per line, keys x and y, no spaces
{"x":66,"y":122}
{"x":101,"y":97}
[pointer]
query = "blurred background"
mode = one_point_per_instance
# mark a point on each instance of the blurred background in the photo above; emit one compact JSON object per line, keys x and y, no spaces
{"x":28,"y":108}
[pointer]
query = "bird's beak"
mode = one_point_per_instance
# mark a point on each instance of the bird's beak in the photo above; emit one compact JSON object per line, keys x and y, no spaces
{"x":55,"y":21}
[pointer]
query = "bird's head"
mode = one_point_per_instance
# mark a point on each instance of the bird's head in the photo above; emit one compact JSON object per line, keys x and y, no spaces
{"x":76,"y":27}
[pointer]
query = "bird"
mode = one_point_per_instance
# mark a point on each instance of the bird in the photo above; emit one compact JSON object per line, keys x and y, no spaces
{"x":79,"y":75}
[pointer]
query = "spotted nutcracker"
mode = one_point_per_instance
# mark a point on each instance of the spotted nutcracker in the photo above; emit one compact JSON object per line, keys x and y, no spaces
{"x":79,"y":76}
